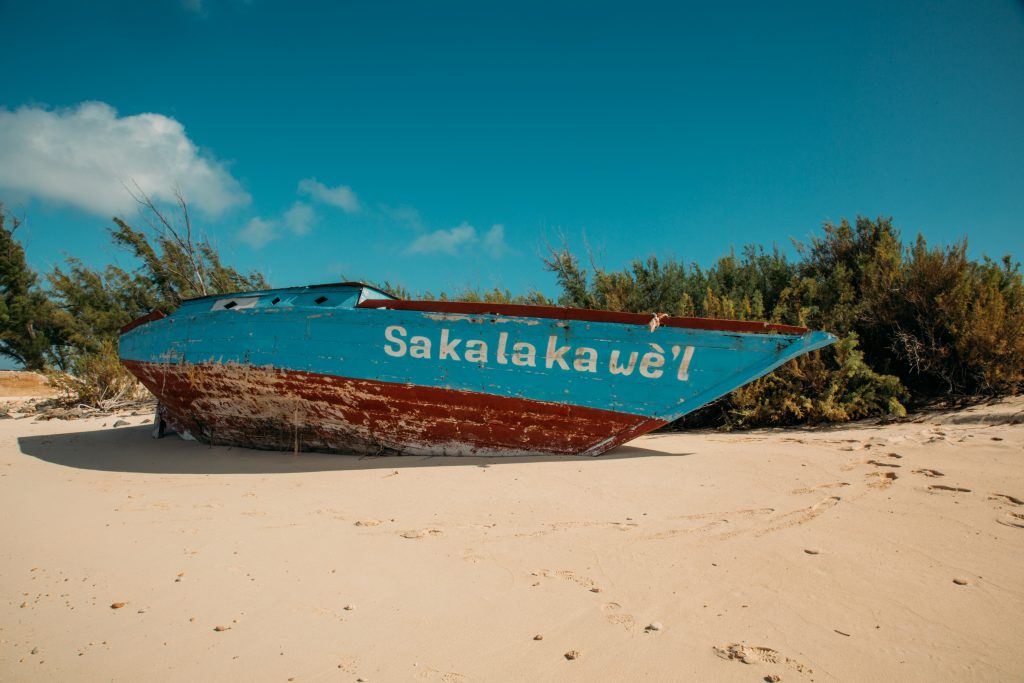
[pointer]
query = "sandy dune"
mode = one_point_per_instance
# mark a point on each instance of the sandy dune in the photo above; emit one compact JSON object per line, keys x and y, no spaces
{"x":15,"y":384}
{"x":861,"y":553}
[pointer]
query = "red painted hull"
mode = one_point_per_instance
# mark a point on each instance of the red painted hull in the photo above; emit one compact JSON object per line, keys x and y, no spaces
{"x":291,"y":410}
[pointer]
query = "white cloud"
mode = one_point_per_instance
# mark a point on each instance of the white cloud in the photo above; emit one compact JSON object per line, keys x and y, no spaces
{"x":460,"y":239}
{"x":494,"y":241}
{"x":341,"y":196}
{"x":83,"y":156}
{"x":444,"y":241}
{"x":299,"y":219}
{"x":258,"y":232}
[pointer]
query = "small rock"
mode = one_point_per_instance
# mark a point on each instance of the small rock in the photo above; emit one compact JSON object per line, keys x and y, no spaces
{"x":34,"y":651}
{"x":572,"y":654}
{"x":539,"y":636}
{"x":960,"y":582}
{"x":810,"y":551}
{"x":117,"y":605}
{"x":595,"y":590}
{"x":772,"y":678}
{"x":221,"y":627}
{"x":654,"y":626}
{"x":349,"y":608}
{"x":122,"y":423}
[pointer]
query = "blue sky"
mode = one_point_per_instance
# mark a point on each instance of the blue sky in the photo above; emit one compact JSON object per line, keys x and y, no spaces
{"x":441,"y":144}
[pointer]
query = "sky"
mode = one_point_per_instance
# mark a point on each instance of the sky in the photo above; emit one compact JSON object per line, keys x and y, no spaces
{"x":443,"y":145}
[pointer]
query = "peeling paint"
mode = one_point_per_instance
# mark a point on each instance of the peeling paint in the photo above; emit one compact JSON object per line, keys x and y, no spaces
{"x":286,"y":410}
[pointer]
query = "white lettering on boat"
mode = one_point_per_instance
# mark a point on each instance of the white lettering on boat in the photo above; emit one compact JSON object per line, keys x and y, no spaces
{"x":558,"y":354}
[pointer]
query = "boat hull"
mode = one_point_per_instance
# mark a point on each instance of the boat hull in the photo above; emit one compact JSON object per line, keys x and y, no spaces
{"x":345,"y":368}
{"x":285,"y":410}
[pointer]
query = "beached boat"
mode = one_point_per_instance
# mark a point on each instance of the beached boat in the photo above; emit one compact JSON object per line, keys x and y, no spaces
{"x":348,"y":368}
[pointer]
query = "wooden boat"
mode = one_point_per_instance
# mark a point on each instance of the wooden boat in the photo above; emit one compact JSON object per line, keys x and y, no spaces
{"x":348,"y":368}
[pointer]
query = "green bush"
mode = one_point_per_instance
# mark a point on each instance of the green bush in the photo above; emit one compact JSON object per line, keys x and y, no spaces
{"x":97,"y":379}
{"x":915,"y":323}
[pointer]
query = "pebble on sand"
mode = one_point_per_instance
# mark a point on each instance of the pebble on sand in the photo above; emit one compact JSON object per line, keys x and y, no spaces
{"x":349,"y":608}
{"x":221,"y":627}
{"x":960,"y":582}
{"x":117,"y":605}
{"x":572,"y":654}
{"x":539,"y":636}
{"x":811,"y":551}
{"x":654,"y":626}
{"x":122,"y":423}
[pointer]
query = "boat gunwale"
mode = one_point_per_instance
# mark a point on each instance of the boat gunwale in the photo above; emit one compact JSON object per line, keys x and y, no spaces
{"x":517,"y":310}
{"x":580,"y":314}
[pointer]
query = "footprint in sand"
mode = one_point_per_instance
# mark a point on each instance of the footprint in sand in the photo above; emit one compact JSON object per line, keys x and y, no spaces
{"x":430,"y":673}
{"x":854,"y":464}
{"x":614,"y":616}
{"x":871,"y":461}
{"x":583,"y":581}
{"x":753,"y":654}
{"x":794,"y":518}
{"x":939,"y":488}
{"x":420,"y":533}
{"x":1014,"y":519}
{"x":881,"y":480}
{"x":881,"y":464}
{"x":812,"y":489}
{"x":1003,"y":498}
{"x":929,"y":473}
{"x":708,"y":521}
{"x":469,"y":555}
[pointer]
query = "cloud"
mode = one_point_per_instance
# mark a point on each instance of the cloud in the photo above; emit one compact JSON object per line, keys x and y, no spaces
{"x":299,"y":219}
{"x":258,"y":232}
{"x":82,"y":156}
{"x":494,"y":241}
{"x":461,"y":239}
{"x":341,"y":196}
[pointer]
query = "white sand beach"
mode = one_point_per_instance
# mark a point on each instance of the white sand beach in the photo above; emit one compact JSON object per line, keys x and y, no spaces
{"x":868,"y":552}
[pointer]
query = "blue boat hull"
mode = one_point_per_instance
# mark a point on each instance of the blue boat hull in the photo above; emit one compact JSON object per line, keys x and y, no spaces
{"x":348,"y":369}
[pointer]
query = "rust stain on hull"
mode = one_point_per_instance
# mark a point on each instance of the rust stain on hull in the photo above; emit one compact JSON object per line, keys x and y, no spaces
{"x":269,"y":408}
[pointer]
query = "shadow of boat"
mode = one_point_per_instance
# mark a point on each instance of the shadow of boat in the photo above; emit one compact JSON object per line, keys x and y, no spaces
{"x":130,"y":449}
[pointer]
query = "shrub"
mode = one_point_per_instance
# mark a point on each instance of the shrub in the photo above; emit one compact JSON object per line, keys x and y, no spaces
{"x":97,"y":379}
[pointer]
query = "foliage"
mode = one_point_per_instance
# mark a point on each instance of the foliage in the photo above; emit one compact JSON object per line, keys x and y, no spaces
{"x":830,"y":385}
{"x":97,"y":379}
{"x":491,"y":296}
{"x":74,"y":325}
{"x":915,"y":323}
{"x":93,"y":305}
{"x":26,"y":315}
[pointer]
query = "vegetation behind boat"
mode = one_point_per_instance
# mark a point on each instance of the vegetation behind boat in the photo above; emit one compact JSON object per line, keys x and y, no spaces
{"x":916,"y":323}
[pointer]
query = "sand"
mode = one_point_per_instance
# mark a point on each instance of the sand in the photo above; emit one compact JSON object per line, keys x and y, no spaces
{"x":18,"y":384}
{"x":863,"y":553}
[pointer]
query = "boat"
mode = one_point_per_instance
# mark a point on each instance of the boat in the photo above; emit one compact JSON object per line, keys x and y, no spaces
{"x":348,"y":368}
